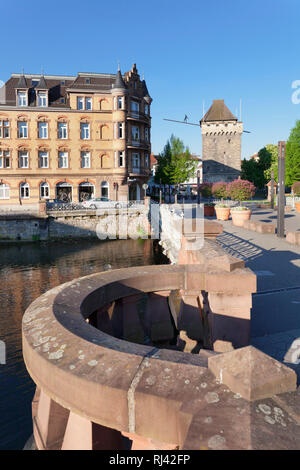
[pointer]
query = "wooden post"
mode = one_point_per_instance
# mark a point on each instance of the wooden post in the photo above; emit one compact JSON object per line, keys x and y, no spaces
{"x":272,"y":189}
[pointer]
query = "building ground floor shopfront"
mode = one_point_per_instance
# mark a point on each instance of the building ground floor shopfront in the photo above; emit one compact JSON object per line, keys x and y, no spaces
{"x":22,"y":192}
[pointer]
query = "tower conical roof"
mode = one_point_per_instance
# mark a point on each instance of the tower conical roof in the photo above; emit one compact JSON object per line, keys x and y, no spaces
{"x":119,"y":82}
{"x":22,"y":83}
{"x":218,"y":112}
{"x":42,"y":85}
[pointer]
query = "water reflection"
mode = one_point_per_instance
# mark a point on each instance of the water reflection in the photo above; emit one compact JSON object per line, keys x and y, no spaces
{"x":26,"y":271}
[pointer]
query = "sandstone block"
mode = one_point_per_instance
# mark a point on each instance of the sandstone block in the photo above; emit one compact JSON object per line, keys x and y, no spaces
{"x":252,"y":374}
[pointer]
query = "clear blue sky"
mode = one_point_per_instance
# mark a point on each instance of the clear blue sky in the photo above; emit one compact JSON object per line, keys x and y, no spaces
{"x":190,"y":51}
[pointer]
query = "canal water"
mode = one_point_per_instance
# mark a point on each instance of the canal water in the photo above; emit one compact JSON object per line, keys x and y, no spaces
{"x":27,"y":271}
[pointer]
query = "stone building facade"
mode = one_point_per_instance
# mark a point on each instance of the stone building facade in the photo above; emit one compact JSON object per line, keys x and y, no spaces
{"x":72,"y":138}
{"x":221,"y":144}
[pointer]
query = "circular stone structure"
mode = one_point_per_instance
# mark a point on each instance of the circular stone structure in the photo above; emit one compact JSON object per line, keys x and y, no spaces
{"x":97,"y":391}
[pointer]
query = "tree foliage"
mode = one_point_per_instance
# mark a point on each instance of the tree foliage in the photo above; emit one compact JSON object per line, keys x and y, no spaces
{"x":259,"y":171}
{"x":241,"y":190}
{"x":175,"y":164}
{"x":292,"y":156}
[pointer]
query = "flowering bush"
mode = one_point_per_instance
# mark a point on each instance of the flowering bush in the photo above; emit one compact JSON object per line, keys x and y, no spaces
{"x":240,"y":190}
{"x":205,"y":189}
{"x":220,"y":190}
{"x":296,"y":188}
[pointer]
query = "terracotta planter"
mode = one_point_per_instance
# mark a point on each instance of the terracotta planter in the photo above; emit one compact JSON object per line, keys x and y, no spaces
{"x":297,"y":205}
{"x":239,"y":217}
{"x":222,"y":213}
{"x":209,"y":211}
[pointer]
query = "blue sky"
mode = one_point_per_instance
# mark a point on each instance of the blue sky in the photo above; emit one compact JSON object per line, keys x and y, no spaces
{"x":190,"y":52}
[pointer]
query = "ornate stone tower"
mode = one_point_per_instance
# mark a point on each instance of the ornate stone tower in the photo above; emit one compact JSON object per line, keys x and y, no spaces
{"x":221,"y":144}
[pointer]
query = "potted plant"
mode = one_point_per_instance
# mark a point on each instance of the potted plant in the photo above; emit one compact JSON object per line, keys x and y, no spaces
{"x":296,"y":192}
{"x":240,"y":190}
{"x":222,"y":211}
{"x":209,"y":209}
{"x":220,"y":191}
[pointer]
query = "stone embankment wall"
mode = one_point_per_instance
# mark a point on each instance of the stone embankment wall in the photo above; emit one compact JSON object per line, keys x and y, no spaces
{"x":63,"y":225}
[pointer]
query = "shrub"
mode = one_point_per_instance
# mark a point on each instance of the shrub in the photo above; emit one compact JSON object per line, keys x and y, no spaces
{"x":220,"y":190}
{"x":296,"y":188}
{"x":240,"y":190}
{"x":205,"y":189}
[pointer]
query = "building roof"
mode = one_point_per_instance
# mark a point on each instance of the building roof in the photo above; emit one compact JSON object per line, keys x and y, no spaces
{"x":22,"y":83}
{"x":119,"y":82}
{"x":42,"y":85}
{"x":218,"y":112}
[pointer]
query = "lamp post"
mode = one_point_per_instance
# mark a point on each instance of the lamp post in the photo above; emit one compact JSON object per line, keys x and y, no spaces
{"x":281,"y":189}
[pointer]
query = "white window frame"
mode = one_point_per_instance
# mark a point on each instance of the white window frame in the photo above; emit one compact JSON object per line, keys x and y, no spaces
{"x":43,"y":130}
{"x":22,"y":128}
{"x":88,"y":103}
{"x":85,"y":133}
{"x":4,"y":155}
{"x":43,"y":159}
{"x":44,"y":187}
{"x":85,"y":157}
{"x":22,"y":98}
{"x":120,"y":102}
{"x":80,"y":102}
{"x":4,"y":191}
{"x":121,"y":161}
{"x":42,"y":99}
{"x":23,"y":159}
{"x":63,"y":160}
{"x":120,"y":130}
{"x":24,"y":191}
{"x":4,"y":127}
{"x":62,"y":130}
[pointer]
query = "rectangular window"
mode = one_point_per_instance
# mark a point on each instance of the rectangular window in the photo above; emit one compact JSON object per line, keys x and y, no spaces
{"x":4,"y":191}
{"x":4,"y":159}
{"x":22,"y":98}
{"x":146,"y":134}
{"x":88,"y":104}
{"x":85,"y":160}
{"x":4,"y":129}
{"x":22,"y":130}
{"x":24,"y":191}
{"x":42,"y":99}
{"x":80,"y":102}
{"x":120,"y":102}
{"x":62,"y":130}
{"x":147,"y":160}
{"x":63,"y":160}
{"x":43,"y":130}
{"x":84,"y":131}
{"x":121,"y":159}
{"x":23,"y":159}
{"x":135,"y":133}
{"x":120,"y":130}
{"x":135,"y":162}
{"x":146,"y":108}
{"x":43,"y":160}
{"x":135,"y":107}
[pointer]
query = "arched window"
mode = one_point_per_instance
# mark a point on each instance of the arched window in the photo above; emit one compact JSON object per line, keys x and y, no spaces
{"x":24,"y":191}
{"x":4,"y":191}
{"x":44,"y":191}
{"x":105,"y":189}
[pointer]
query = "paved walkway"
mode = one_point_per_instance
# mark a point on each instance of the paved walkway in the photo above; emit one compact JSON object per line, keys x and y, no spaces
{"x":275,"y":321}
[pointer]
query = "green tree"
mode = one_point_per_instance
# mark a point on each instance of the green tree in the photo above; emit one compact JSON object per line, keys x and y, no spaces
{"x":273,"y":151}
{"x":181,"y":165}
{"x":163,"y":161}
{"x":292,"y":156}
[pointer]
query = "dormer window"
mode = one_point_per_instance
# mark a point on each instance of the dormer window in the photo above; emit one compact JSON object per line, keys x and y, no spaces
{"x":22,"y":98}
{"x":42,"y":99}
{"x":87,"y":81}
